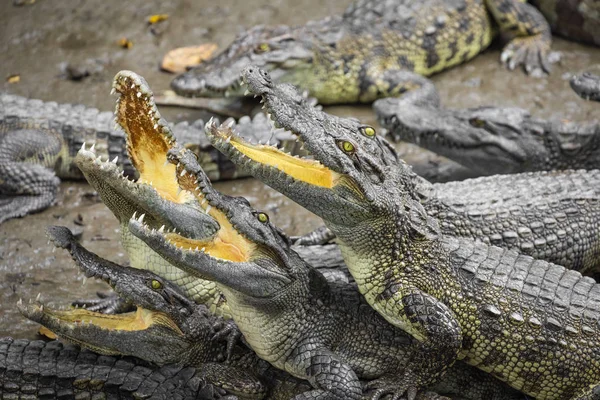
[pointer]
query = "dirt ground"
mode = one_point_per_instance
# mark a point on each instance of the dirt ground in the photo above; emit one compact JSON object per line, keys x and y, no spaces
{"x":37,"y":41}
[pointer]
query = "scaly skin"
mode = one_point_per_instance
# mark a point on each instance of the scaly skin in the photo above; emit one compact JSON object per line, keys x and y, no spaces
{"x":532,"y":212}
{"x":530,"y":323}
{"x":167,"y":327}
{"x":493,"y":140}
{"x":51,"y":370}
{"x":288,"y":313}
{"x":587,"y":86}
{"x":39,"y":142}
{"x":574,"y":19}
{"x":357,"y":57}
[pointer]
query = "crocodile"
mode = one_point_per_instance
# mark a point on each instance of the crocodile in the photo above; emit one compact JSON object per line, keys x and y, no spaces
{"x":36,"y":369}
{"x":176,"y":331}
{"x":148,"y":137}
{"x":356,"y":57}
{"x":493,"y":140}
{"x":39,"y":141}
{"x":527,"y":322}
{"x":289,"y":314}
{"x":548,"y":215}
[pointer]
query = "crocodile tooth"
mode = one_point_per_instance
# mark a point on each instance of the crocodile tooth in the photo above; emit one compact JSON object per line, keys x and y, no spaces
{"x":112,"y":91}
{"x":93,"y":148}
{"x":84,"y":281}
{"x":161,"y":229}
{"x":54,"y":249}
{"x":183,"y":172}
{"x":83,"y":146}
{"x":115,"y":160}
{"x":20,"y":302}
{"x":246,"y":92}
{"x":141,"y":218}
{"x":37,"y":298}
{"x":228,"y":139}
{"x":203,"y":249}
{"x":134,"y":214}
{"x":208,"y":208}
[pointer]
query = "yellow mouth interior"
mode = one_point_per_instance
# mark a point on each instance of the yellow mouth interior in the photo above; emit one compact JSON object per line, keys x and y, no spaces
{"x":226,"y":244}
{"x":138,"y":320}
{"x":147,"y":146}
{"x":308,"y":171}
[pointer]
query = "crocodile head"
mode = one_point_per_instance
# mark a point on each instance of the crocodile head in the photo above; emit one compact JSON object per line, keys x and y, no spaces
{"x":488,"y":140}
{"x":155,"y":192}
{"x":276,"y":49}
{"x":587,"y":86}
{"x":249,"y":258}
{"x":347,"y":166}
{"x":167,"y":327}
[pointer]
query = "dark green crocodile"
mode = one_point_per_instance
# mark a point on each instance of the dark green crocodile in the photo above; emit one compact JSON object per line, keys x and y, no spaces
{"x":287,"y":311}
{"x":39,"y":141}
{"x":357,"y":57}
{"x":549,"y":215}
{"x":530,"y":323}
{"x":492,"y":140}
{"x":36,"y":369}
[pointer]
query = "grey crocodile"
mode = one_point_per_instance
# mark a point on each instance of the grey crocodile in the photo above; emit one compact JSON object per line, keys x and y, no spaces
{"x":287,"y":311}
{"x":36,"y":369}
{"x":495,"y":140}
{"x":356,"y":57}
{"x":39,"y":141}
{"x":530,"y":323}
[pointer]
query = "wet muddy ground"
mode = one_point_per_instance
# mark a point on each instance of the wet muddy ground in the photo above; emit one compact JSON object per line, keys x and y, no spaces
{"x":38,"y":41}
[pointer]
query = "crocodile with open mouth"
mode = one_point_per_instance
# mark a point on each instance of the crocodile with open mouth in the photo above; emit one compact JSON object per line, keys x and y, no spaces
{"x":496,"y":140}
{"x":366,"y":53}
{"x":287,"y":311}
{"x":548,"y":215}
{"x":166,"y":329}
{"x":530,"y":323}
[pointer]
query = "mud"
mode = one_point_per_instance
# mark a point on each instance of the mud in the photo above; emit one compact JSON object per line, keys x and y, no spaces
{"x":38,"y":42}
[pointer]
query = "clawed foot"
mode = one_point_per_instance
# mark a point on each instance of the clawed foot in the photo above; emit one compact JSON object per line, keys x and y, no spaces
{"x":227,"y":330}
{"x":395,"y":389}
{"x":106,"y":303}
{"x":530,"y":52}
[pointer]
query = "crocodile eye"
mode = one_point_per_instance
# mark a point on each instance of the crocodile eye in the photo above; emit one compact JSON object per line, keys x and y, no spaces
{"x":262,"y":217}
{"x":261,"y":48}
{"x":347,"y":146}
{"x":476,"y":122}
{"x":156,"y":285}
{"x":368,"y":131}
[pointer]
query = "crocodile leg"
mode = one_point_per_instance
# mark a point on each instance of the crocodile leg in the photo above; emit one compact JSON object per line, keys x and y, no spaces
{"x":27,"y":184}
{"x":532,"y":40}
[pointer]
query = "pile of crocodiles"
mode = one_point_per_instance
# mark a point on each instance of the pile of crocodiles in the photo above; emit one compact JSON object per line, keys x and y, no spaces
{"x":470,"y":289}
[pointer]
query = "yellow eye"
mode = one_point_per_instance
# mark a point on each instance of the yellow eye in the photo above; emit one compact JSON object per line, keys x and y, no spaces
{"x":347,"y":147}
{"x":368,"y":131}
{"x":156,"y":284}
{"x":476,"y":122}
{"x":263,"y":47}
{"x":262,"y":217}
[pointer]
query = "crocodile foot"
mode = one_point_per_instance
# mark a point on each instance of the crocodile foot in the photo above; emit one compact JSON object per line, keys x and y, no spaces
{"x":531,"y":52}
{"x":393,"y":387}
{"x":228,"y":331}
{"x":106,"y":303}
